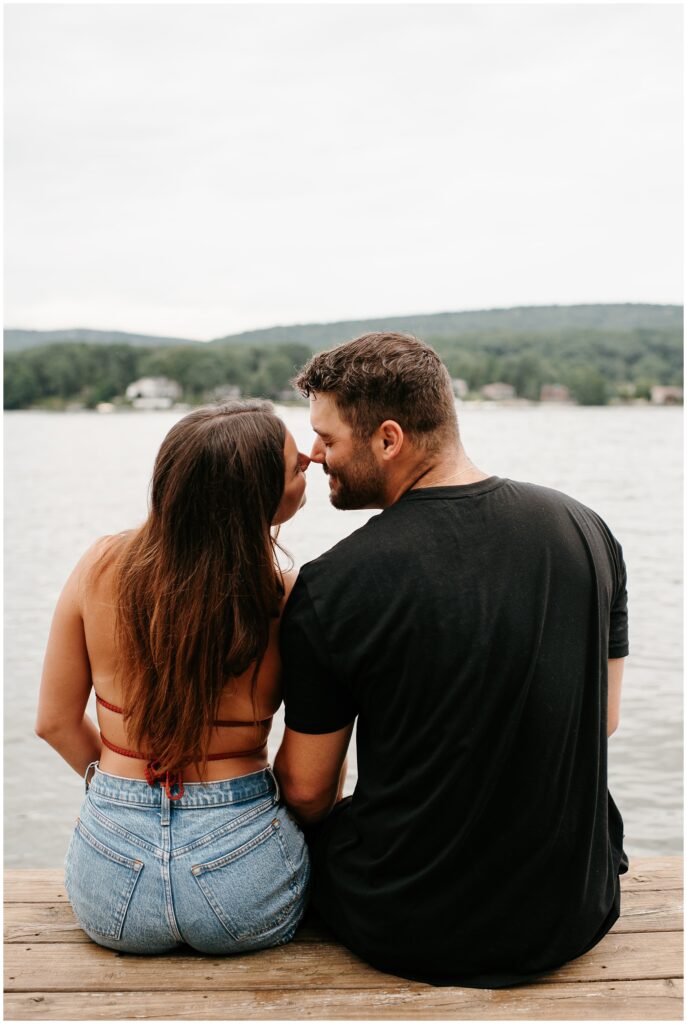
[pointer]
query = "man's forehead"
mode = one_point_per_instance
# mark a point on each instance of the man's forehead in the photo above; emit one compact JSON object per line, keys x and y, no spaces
{"x":324,"y":414}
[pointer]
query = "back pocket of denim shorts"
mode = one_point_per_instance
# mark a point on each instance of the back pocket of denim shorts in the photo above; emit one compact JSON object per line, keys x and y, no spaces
{"x":100,"y":884}
{"x":251,"y":889}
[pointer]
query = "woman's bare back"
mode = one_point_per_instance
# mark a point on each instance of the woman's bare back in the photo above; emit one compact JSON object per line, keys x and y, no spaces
{"x":96,"y":599}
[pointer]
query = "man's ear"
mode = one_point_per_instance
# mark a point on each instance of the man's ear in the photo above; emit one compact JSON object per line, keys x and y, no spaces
{"x":390,"y":439}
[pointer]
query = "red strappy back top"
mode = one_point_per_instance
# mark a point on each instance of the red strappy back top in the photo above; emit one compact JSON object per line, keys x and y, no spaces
{"x":174,"y":779}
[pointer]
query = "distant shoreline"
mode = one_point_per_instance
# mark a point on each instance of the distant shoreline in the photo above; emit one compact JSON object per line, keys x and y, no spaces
{"x":465,"y":404}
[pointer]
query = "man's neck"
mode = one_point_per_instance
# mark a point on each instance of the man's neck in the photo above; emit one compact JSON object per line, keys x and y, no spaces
{"x":452,"y":469}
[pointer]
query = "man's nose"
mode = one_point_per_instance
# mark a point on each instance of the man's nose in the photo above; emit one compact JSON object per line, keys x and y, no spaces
{"x":317,"y":453}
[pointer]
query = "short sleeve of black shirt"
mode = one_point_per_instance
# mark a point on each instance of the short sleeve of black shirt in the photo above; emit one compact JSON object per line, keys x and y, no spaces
{"x":618,"y":646}
{"x":316,"y":701}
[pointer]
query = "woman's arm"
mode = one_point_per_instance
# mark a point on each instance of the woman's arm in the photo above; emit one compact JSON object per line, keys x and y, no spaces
{"x":66,"y":681}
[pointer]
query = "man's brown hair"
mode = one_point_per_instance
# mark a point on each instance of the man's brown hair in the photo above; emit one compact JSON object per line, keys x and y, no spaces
{"x":381,"y":377}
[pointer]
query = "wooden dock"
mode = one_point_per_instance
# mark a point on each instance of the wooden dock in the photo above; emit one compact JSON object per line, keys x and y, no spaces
{"x":54,"y":972}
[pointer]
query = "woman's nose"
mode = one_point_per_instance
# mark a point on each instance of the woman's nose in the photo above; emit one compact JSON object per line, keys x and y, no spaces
{"x":304,"y":461}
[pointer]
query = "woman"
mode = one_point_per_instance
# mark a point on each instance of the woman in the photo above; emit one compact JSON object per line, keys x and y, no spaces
{"x":181,"y":837}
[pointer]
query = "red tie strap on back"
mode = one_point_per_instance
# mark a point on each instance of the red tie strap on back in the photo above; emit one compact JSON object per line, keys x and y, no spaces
{"x":110,"y":707}
{"x":217,"y":722}
{"x":152,"y":770}
{"x":174,"y":779}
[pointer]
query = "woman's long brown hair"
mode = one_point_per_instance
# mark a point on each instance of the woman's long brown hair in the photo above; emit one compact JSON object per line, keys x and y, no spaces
{"x":197,"y":584}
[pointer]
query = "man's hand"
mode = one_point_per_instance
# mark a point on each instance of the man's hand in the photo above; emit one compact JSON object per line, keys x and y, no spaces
{"x":311,"y":770}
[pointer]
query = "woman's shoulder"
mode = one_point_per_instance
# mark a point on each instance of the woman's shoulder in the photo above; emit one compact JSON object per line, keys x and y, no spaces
{"x":98,"y":558}
{"x":105,"y":547}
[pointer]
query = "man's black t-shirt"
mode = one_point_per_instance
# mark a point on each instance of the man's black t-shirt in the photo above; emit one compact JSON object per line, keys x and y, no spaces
{"x":468,"y":629}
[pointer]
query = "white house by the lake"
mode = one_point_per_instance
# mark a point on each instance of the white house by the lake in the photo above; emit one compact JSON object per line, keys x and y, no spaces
{"x":153,"y":393}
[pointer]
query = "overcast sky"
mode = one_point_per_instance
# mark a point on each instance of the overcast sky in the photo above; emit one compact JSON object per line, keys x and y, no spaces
{"x":197,"y":170}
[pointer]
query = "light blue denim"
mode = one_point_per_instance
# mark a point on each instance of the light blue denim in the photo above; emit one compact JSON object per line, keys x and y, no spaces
{"x":224,"y":869}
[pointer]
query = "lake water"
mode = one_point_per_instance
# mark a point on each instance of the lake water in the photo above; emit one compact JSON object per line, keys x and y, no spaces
{"x":72,"y":477}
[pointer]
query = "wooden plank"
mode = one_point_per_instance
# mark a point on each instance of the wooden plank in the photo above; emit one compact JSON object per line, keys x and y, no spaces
{"x":629,"y":957}
{"x":634,"y":956}
{"x":635,"y":1000}
{"x":55,"y":922}
{"x":295,"y":966}
{"x":653,"y":873}
{"x":46,"y":885}
{"x":650,"y":910}
{"x":642,"y":911}
{"x":42,"y":922}
{"x":35,"y":885}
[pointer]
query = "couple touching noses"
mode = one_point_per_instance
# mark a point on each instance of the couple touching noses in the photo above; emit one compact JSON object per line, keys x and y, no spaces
{"x":475,"y":631}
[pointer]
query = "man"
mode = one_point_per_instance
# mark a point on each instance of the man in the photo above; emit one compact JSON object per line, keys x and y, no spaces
{"x":468,"y":629}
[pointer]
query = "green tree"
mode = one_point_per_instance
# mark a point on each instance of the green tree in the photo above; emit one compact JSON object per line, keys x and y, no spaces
{"x":21,"y":385}
{"x":643,"y":388}
{"x":587,"y":386}
{"x":526,"y":374}
{"x":651,"y":367}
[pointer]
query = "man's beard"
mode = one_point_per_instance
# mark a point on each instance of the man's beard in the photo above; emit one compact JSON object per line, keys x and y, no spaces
{"x":360,"y":484}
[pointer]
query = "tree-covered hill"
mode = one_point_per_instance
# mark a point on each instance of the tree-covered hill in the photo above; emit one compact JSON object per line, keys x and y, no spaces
{"x":433,"y":326}
{"x":56,"y":375}
{"x":18,"y":340}
{"x":598,"y":352}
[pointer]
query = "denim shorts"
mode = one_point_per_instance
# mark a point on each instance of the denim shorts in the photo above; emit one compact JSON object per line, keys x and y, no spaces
{"x":224,"y":869}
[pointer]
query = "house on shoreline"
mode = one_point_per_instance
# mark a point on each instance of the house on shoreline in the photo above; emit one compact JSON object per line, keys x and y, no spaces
{"x":555,"y":393}
{"x":498,"y":391}
{"x":663,"y":394}
{"x":153,"y":393}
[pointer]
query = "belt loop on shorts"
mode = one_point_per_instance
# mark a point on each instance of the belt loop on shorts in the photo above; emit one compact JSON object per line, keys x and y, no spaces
{"x":164,"y":806}
{"x":86,"y":780}
{"x":277,"y":791}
